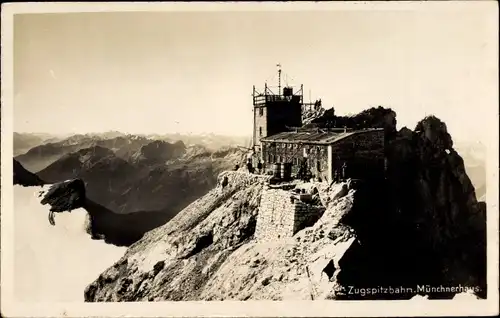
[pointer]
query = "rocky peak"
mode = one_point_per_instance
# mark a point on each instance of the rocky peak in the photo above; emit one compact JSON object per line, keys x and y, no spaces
{"x":420,"y":226}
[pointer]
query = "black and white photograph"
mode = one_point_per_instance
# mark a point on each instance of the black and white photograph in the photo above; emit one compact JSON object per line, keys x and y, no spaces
{"x":249,"y":159}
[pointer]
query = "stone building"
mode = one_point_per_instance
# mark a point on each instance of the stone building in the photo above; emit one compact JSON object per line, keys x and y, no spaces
{"x":274,"y":113}
{"x":326,"y":152}
{"x":279,"y":138}
{"x":277,"y":109}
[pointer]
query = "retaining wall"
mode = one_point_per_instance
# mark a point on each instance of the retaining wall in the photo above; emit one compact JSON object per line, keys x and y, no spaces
{"x":280,"y":218}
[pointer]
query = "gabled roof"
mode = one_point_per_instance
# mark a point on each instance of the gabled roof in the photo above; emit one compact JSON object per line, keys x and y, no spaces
{"x":314,"y":136}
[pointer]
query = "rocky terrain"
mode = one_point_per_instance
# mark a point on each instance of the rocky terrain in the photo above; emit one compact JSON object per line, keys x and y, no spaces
{"x":420,"y":226}
{"x":423,"y":225}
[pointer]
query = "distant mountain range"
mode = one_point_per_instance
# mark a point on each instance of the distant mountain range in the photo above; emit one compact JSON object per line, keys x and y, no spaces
{"x":131,"y":173}
{"x":25,"y":141}
{"x":37,"y":151}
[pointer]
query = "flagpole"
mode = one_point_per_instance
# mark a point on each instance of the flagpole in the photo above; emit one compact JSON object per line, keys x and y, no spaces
{"x":279,"y":79}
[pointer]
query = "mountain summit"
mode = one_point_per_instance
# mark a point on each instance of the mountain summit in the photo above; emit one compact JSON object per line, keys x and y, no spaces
{"x":418,"y":229}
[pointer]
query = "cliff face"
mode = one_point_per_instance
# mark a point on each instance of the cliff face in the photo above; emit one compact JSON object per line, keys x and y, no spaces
{"x":424,"y":221}
{"x":175,"y":261}
{"x":421,"y":226}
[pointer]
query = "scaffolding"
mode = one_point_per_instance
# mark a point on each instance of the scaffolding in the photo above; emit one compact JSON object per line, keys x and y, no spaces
{"x":289,"y":93}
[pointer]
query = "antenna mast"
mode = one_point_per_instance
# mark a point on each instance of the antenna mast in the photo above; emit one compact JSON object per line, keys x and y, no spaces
{"x":279,"y":78}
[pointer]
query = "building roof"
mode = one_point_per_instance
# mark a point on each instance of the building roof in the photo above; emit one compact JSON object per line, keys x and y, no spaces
{"x":314,"y":136}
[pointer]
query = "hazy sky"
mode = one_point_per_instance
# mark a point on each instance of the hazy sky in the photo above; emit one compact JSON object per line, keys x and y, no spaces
{"x":193,"y":71}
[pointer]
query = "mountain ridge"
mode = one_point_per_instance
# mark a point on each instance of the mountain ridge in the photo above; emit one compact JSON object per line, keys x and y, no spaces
{"x":422,"y":226}
{"x":161,"y":177}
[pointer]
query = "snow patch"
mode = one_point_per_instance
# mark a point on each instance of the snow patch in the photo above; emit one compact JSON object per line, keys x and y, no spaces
{"x":54,"y":263}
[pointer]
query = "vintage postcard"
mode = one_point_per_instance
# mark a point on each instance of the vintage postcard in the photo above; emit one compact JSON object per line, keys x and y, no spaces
{"x":249,"y":159}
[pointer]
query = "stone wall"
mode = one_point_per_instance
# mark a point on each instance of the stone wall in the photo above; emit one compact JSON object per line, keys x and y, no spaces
{"x":363,"y":152}
{"x":280,"y":218}
{"x":275,"y":219}
{"x":306,"y":215}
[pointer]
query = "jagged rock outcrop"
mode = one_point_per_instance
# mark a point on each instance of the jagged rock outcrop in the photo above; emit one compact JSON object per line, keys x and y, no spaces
{"x":23,"y":177}
{"x":421,"y":226}
{"x":101,"y":223}
{"x":375,"y":117}
{"x":65,"y":196}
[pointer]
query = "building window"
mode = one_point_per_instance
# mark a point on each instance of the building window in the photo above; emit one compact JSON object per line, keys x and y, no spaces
{"x":260,"y":131}
{"x":279,"y":159}
{"x":269,"y":158}
{"x":318,"y":165}
{"x":261,"y":111}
